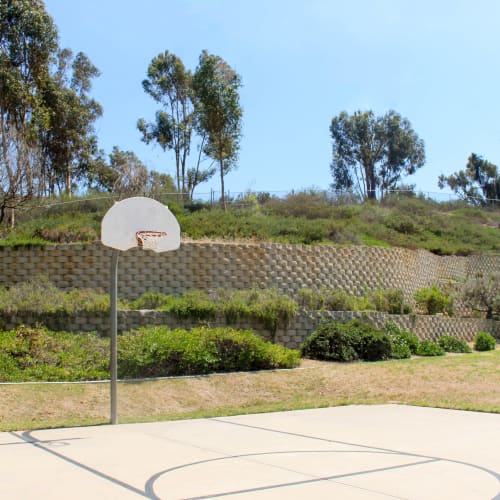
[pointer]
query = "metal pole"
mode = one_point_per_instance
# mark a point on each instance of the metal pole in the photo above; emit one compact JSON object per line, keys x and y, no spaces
{"x":113,"y":359}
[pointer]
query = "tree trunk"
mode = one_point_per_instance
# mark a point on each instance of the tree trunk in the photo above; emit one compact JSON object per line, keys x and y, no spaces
{"x":68,"y":181}
{"x":12,"y":217}
{"x":371,"y":192}
{"x":223,"y":196}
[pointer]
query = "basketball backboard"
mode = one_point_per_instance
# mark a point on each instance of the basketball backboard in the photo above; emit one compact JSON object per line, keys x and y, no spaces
{"x":128,"y":222}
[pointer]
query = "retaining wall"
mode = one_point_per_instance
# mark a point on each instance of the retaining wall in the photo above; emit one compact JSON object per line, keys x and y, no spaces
{"x":241,"y":266}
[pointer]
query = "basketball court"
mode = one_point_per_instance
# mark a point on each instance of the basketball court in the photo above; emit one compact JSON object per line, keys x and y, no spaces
{"x":350,"y":452}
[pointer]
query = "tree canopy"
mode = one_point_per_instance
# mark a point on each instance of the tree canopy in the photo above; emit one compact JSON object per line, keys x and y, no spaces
{"x":169,"y":83}
{"x":371,"y":154}
{"x":218,"y":112}
{"x":478,"y":183}
{"x":46,"y":113}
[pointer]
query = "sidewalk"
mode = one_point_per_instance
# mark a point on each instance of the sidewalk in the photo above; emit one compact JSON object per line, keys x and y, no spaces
{"x":350,"y":452}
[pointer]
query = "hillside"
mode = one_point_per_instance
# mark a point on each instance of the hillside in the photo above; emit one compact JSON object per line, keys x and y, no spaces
{"x":305,"y":217}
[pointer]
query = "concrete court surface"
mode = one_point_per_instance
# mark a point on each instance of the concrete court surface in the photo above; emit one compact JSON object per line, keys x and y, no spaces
{"x":349,"y":452}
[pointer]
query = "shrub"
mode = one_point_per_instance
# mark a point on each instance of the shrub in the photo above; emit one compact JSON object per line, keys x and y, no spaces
{"x":429,"y":348}
{"x":390,"y":301}
{"x":484,"y":341}
{"x":40,"y":295}
{"x":339,"y":300}
{"x":272,"y":308}
{"x":193,"y":304}
{"x":453,"y":344}
{"x":29,"y":354}
{"x":403,"y":343}
{"x":432,"y":301}
{"x":330,"y":342}
{"x":159,"y":351}
{"x":349,"y":341}
{"x":150,"y":300}
{"x":372,"y":344}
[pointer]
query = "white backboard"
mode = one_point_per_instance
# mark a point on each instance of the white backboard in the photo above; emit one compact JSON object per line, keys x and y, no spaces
{"x":125,"y":218}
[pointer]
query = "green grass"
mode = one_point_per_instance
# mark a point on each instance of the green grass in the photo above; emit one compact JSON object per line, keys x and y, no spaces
{"x":301,"y":218}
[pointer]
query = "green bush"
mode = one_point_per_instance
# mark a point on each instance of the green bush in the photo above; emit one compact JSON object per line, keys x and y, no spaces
{"x":404,"y":343}
{"x":270,"y":307}
{"x":432,"y":301}
{"x":429,"y":348}
{"x":159,"y":351}
{"x":37,"y":354}
{"x":150,"y":300}
{"x":390,"y":301}
{"x":373,"y":345}
{"x":330,"y":342}
{"x":40,"y":295}
{"x":484,"y":341}
{"x":339,"y":300}
{"x":453,"y":344}
{"x":349,"y":341}
{"x":193,"y":304}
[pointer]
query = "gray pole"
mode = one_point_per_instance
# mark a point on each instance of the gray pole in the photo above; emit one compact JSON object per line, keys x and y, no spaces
{"x":113,"y":361}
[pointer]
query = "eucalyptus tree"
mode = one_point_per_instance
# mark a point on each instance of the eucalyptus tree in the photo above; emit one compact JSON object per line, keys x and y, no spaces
{"x":371,"y":154}
{"x":28,"y":42}
{"x":218,"y":112}
{"x":69,"y":141}
{"x":169,"y":83}
{"x":478,"y":183}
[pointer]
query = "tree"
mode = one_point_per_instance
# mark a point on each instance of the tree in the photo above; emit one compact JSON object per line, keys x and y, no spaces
{"x":170,"y":84}
{"x":68,"y":141}
{"x":218,"y":112}
{"x":371,"y":154}
{"x":482,"y":293}
{"x":479,"y":183}
{"x":130,"y":174}
{"x":28,"y":41}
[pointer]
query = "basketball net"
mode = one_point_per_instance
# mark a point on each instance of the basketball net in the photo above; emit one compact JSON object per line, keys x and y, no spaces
{"x":149,"y":239}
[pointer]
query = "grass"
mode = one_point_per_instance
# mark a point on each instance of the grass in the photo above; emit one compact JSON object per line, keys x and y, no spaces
{"x":464,"y":382}
{"x":305,"y":217}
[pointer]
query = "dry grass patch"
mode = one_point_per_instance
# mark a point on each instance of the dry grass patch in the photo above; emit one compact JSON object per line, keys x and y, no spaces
{"x":467,"y":382}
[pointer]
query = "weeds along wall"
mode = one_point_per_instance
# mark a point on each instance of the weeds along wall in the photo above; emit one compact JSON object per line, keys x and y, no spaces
{"x":211,"y":265}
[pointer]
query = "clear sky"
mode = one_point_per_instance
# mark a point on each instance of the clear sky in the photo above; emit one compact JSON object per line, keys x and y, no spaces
{"x":302,"y":62}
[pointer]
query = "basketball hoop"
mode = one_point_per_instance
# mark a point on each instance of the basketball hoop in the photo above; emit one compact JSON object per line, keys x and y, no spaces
{"x":149,"y":239}
{"x":121,"y":230}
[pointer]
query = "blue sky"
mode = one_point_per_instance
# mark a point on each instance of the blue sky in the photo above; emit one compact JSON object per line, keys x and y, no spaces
{"x":436,"y":62}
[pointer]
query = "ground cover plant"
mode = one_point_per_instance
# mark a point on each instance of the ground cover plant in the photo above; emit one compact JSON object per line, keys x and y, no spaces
{"x":160,"y":351}
{"x":268,"y":306}
{"x":37,"y":354}
{"x":390,"y":301}
{"x":40,"y":295}
{"x":305,"y":217}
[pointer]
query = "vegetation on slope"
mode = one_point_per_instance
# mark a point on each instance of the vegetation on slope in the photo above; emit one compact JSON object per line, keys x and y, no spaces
{"x":307,"y":217}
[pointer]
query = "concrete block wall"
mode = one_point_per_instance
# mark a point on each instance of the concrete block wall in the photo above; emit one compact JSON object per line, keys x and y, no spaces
{"x":211,"y":265}
{"x":300,"y":327}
